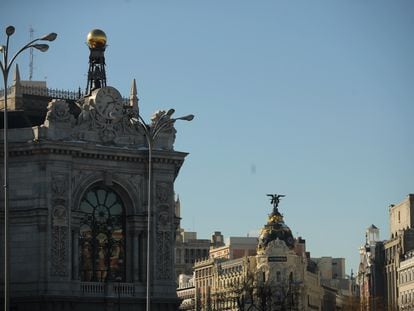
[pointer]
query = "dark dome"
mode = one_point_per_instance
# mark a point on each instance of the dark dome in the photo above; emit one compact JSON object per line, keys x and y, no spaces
{"x":275,"y":229}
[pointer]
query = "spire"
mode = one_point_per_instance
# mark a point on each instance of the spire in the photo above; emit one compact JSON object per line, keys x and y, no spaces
{"x":133,"y":98}
{"x":16,"y":90}
{"x":177,"y":206}
{"x":16,"y":77}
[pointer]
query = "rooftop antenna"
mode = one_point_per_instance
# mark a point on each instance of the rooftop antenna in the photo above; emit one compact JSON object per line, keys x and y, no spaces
{"x":31,"y":32}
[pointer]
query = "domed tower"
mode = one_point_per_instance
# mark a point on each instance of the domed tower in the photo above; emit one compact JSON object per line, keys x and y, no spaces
{"x":275,"y":228}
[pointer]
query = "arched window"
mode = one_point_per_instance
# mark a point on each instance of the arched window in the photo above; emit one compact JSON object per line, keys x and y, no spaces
{"x":102,"y":236}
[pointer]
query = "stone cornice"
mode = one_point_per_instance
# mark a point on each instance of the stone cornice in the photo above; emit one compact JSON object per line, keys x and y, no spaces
{"x":100,"y":152}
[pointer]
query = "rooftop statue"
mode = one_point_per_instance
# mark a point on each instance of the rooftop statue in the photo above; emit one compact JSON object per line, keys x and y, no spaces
{"x":275,"y":199}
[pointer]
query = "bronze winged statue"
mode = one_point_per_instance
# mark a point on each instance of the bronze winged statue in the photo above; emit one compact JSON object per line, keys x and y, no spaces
{"x":275,"y":199}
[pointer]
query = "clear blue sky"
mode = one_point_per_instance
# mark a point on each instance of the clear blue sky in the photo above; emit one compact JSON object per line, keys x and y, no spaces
{"x":312,"y":99}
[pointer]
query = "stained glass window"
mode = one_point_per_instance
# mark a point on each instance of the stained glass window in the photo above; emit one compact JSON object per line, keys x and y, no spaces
{"x":102,"y":236}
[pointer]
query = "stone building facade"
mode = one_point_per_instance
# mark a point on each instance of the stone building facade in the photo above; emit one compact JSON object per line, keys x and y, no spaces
{"x":277,"y":277}
{"x":280,"y":276}
{"x":237,"y":247}
{"x":186,"y":292}
{"x":188,"y":250}
{"x":406,"y":282}
{"x":401,"y":242}
{"x":371,"y":273}
{"x":78,"y":180}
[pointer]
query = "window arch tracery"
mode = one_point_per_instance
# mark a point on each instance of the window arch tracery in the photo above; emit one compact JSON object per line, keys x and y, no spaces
{"x":102,"y":236}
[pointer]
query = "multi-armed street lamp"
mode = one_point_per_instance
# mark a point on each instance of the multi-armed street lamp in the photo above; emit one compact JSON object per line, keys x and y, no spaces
{"x":151,"y":132}
{"x":5,"y":68}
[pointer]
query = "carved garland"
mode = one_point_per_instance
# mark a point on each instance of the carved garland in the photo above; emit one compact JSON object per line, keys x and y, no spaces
{"x":60,"y":230}
{"x":164,"y":243}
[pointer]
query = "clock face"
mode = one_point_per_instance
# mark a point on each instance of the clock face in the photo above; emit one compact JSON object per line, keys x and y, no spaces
{"x":108,"y":102}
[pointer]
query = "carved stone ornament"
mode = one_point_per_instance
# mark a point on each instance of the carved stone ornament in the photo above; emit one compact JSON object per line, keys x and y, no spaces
{"x":164,"y":256}
{"x":164,"y":219}
{"x":276,"y":247}
{"x":59,"y":185}
{"x":136,"y":180}
{"x":105,"y":118}
{"x":59,"y":121}
{"x":59,"y":216}
{"x":77,"y":177}
{"x":58,"y":112}
{"x":59,"y":251}
{"x":165,"y":236}
{"x":164,"y":192}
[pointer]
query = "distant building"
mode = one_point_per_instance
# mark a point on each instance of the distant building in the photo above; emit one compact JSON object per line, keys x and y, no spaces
{"x":401,"y":242}
{"x":188,"y":248}
{"x":276,"y":276}
{"x":272,"y":272}
{"x":237,"y":247}
{"x":406,"y":282}
{"x":371,"y":274}
{"x":330,"y":268}
{"x":217,"y":240}
{"x":186,"y":292}
{"x":333,"y":280}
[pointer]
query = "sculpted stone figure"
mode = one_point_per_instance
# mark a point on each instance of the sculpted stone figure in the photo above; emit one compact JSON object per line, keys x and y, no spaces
{"x":58,"y":111}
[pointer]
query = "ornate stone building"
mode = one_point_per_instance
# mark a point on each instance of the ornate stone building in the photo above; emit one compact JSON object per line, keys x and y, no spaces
{"x":278,"y":277}
{"x":78,"y":180}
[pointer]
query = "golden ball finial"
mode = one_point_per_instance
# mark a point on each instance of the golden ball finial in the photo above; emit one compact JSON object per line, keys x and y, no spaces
{"x":96,"y":39}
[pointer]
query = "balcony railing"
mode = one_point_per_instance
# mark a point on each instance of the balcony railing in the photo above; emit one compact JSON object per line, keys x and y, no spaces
{"x":115,"y":289}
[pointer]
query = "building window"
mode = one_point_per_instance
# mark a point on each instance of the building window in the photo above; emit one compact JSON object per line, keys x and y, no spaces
{"x":102,"y":236}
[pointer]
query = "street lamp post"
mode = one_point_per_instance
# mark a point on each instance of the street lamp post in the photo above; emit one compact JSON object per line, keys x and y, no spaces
{"x":151,"y":134}
{"x":5,"y":68}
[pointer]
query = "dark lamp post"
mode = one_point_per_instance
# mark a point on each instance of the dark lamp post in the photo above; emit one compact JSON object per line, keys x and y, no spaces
{"x":5,"y":66}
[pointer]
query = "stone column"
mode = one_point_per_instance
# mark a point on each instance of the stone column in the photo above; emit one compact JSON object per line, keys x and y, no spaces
{"x":75,"y":254}
{"x":135,"y":257}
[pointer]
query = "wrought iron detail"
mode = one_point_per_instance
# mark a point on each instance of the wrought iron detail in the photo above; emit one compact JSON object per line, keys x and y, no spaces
{"x":46,"y":92}
{"x":52,"y":93}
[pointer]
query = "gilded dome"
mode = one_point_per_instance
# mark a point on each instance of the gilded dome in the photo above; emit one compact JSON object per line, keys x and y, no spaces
{"x":96,"y":39}
{"x":275,"y":229}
